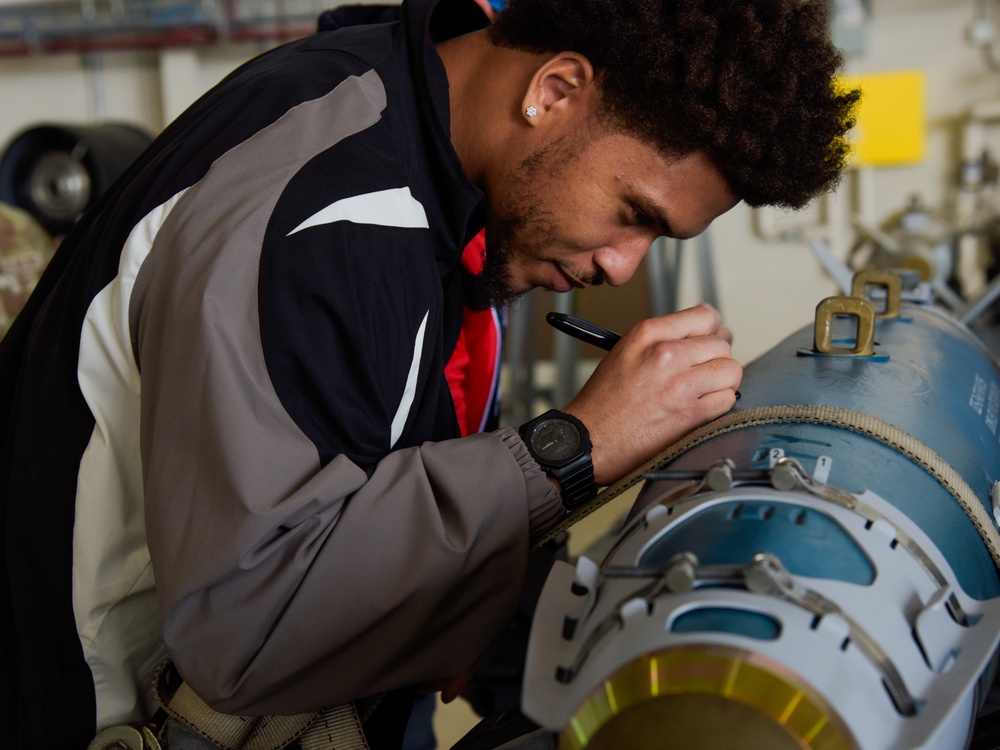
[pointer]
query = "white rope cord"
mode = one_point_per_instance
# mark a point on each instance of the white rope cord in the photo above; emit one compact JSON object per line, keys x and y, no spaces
{"x":863,"y":424}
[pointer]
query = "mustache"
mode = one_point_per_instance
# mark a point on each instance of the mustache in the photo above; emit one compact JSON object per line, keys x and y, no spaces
{"x":587,"y":278}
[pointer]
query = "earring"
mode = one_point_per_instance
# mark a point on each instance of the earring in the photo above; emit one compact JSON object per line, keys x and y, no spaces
{"x":531,"y":111}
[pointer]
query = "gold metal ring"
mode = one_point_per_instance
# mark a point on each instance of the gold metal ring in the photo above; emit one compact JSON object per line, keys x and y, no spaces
{"x":705,"y":697}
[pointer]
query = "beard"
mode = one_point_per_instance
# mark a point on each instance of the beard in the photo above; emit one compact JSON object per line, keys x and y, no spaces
{"x":526,"y":231}
{"x":526,"y":236}
{"x":507,"y":243}
{"x":493,"y":287}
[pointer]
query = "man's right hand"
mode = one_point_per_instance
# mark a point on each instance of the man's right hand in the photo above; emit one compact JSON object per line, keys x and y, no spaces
{"x":665,"y":377}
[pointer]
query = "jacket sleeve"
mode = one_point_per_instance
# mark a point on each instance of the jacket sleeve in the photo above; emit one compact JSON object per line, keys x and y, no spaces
{"x":347,"y":585}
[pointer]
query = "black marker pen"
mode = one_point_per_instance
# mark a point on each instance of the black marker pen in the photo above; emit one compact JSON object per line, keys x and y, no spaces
{"x":584,"y":330}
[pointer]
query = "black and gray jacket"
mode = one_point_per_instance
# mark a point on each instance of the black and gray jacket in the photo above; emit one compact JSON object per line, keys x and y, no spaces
{"x":226,"y":428}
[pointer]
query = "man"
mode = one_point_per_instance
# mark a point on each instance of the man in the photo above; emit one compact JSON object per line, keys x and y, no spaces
{"x":230,"y":380}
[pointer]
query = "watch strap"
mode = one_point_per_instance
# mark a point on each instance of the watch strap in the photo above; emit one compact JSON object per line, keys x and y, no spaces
{"x":576,"y":482}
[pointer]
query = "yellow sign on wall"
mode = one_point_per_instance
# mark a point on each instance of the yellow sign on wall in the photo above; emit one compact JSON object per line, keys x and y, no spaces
{"x":891,"y":123}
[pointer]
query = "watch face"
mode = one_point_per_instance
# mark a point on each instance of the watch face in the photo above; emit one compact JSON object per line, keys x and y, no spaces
{"x":555,"y":440}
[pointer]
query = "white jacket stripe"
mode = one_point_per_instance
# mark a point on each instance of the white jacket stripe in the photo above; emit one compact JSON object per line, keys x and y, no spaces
{"x":410,"y":390}
{"x":395,"y":207}
{"x":113,"y":596}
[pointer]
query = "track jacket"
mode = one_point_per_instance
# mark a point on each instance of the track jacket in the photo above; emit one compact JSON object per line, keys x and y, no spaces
{"x":227,"y":432}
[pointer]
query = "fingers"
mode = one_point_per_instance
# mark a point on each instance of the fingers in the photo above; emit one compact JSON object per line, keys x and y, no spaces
{"x":704,"y":391}
{"x":722,"y":373}
{"x":691,"y":351}
{"x":449,"y":687}
{"x":717,"y":403}
{"x":700,"y":320}
{"x":720,"y":380}
{"x":721,"y":329}
{"x":454,"y":686}
{"x":666,"y":377}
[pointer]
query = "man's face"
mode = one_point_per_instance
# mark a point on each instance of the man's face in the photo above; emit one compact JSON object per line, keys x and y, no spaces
{"x":575,"y":214}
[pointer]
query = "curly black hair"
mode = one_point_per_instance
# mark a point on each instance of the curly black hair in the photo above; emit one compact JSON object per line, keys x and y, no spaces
{"x":749,"y":82}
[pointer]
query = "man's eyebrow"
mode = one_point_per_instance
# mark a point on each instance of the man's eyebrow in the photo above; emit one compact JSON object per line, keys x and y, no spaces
{"x":656,"y":213}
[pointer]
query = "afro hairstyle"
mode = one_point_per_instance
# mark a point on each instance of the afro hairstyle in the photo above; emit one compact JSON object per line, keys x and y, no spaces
{"x":752,"y":83}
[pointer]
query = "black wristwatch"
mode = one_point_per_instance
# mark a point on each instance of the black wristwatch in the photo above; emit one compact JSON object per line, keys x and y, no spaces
{"x":561,"y":445}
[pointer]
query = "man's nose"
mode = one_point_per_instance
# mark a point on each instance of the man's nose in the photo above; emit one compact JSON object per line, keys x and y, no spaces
{"x":619,"y":261}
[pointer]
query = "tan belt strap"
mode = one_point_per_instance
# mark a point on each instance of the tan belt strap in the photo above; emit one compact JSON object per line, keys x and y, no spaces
{"x":337,"y":728}
{"x":863,"y":424}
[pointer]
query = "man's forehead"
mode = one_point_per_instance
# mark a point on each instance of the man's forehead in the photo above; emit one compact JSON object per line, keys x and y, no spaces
{"x":687,"y":193}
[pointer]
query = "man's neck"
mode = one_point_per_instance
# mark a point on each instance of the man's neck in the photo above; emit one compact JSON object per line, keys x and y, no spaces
{"x":486,"y":84}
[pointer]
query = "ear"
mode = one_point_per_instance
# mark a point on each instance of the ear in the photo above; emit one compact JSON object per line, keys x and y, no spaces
{"x":562,"y":86}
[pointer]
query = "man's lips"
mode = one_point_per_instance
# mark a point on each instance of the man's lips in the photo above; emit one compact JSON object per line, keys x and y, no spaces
{"x":563,"y":282}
